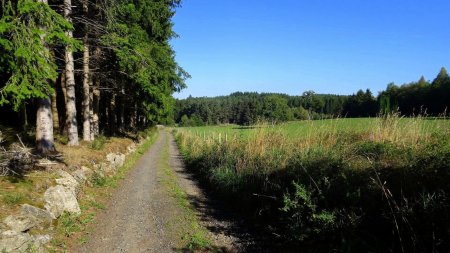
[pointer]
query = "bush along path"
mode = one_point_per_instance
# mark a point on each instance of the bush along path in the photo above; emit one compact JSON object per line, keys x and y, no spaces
{"x":158,"y":207}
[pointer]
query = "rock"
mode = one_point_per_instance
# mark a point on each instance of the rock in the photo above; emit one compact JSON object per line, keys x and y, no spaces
{"x":20,"y":223}
{"x":79,"y":175}
{"x":68,"y":181}
{"x":40,"y":215}
{"x":59,"y":199}
{"x":13,"y":241}
{"x":115,"y":160}
{"x":104,"y":167}
{"x":131,"y":148}
{"x":40,"y":240}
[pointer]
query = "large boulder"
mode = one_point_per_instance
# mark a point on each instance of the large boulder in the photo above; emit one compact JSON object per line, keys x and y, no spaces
{"x":13,"y":241}
{"x":59,"y":199}
{"x":20,"y":223}
{"x":68,"y":181}
{"x":38,"y":214}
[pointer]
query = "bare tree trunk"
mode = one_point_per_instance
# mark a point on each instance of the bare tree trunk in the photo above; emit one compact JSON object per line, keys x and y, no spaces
{"x":44,"y":122}
{"x":121,"y":118}
{"x":24,"y":117}
{"x":86,"y":81}
{"x":91,"y":114}
{"x":133,"y":118}
{"x":86,"y":96}
{"x":55,"y":114}
{"x":112,"y":113}
{"x":63,"y":128}
{"x":71,"y":109}
{"x":95,"y":110}
{"x":44,"y":127}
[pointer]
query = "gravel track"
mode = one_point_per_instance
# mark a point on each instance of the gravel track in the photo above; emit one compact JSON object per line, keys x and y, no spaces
{"x":134,"y":219}
{"x":137,"y":216}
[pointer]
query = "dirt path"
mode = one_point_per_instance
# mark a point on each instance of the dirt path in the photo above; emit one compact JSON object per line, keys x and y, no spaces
{"x":142,"y":214}
{"x":134,"y":219}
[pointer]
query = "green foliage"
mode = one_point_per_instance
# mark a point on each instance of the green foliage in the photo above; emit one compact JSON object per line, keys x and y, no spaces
{"x":27,"y":29}
{"x":303,"y":217}
{"x":98,"y":179}
{"x":140,"y":32}
{"x":99,"y":142}
{"x":68,"y":223}
{"x":13,"y":198}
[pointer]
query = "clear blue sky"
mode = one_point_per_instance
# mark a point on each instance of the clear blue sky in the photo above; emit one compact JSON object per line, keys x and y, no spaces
{"x":329,"y":46}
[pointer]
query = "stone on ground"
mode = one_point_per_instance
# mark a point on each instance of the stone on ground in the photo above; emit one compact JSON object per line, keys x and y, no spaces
{"x":13,"y":241}
{"x":20,"y":223}
{"x":59,"y":199}
{"x":39,"y":214}
{"x":68,"y":181}
{"x":115,"y":160}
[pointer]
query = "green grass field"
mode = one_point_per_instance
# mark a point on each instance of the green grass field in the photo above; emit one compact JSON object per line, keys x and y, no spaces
{"x":356,"y":185}
{"x":303,"y":129}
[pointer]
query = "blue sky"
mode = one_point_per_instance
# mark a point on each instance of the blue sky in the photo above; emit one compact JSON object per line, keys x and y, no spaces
{"x":290,"y":46}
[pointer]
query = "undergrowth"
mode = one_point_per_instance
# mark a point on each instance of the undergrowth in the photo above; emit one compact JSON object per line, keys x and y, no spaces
{"x":382,"y":189}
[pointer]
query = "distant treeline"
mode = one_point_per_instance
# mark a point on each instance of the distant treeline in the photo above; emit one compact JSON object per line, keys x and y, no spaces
{"x":244,"y":108}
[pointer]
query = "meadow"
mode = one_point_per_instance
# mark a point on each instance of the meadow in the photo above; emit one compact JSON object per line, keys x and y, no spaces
{"x":353,"y":185}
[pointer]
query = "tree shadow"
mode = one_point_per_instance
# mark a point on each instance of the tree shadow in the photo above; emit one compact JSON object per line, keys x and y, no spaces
{"x":224,"y":222}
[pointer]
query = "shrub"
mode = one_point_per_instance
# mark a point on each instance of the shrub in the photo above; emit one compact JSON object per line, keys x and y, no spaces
{"x":99,"y":142}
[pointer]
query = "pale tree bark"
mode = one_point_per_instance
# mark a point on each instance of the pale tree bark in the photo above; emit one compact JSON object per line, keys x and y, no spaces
{"x":95,"y":99}
{"x":44,"y":127}
{"x":44,"y":122}
{"x":55,"y":114}
{"x":91,"y":114}
{"x":71,"y":109}
{"x":86,"y":81}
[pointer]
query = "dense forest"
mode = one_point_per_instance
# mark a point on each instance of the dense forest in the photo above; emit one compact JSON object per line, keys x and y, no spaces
{"x":421,"y":97}
{"x":80,"y":68}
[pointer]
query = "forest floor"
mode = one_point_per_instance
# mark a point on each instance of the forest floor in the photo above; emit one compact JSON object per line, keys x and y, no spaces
{"x":159,"y":207}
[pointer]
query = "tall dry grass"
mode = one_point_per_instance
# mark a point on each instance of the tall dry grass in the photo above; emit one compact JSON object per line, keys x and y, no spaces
{"x":351,"y":178}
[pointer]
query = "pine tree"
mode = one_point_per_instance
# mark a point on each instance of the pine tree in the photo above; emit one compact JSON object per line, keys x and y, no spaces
{"x":28,"y":28}
{"x":71,"y":109}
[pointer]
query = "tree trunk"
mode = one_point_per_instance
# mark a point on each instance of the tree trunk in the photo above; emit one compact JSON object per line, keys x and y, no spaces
{"x":95,"y":99}
{"x":95,"y":110}
{"x":86,"y":96}
{"x":133,"y":117}
{"x":63,"y":127}
{"x":121,"y":117}
{"x":55,"y":115}
{"x":86,"y":81}
{"x":24,"y":117}
{"x":112,"y":113}
{"x":44,"y":127}
{"x":44,"y":122}
{"x":71,"y":109}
